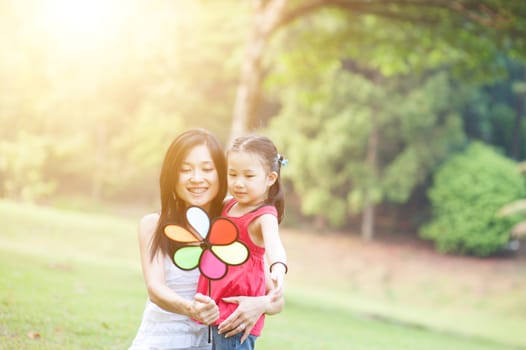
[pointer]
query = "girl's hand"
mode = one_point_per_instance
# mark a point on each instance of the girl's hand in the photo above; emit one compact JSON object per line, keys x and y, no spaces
{"x":204,"y":309}
{"x":245,"y":317}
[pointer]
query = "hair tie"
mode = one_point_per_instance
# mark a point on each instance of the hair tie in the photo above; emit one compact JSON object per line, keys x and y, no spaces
{"x":280,"y":160}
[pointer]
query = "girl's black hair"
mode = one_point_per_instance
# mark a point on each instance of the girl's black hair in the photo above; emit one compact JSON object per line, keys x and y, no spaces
{"x":172,"y":207}
{"x":267,"y":151}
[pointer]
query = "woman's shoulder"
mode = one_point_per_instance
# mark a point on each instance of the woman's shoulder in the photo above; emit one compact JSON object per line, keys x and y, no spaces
{"x":148,"y":224}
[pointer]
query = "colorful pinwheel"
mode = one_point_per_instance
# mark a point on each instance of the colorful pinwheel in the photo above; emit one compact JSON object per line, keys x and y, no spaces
{"x":211,"y":248}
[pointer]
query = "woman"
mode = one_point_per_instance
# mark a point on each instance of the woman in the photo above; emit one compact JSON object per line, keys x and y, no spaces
{"x":193,"y":173}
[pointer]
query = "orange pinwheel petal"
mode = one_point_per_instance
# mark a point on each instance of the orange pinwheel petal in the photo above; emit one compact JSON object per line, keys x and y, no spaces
{"x":179,"y":234}
{"x":223,"y":232}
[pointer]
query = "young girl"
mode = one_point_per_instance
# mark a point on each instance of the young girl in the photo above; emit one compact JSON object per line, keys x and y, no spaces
{"x":253,"y":168}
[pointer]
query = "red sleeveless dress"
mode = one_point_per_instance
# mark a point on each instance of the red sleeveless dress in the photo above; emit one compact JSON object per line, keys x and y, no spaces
{"x":247,"y":279}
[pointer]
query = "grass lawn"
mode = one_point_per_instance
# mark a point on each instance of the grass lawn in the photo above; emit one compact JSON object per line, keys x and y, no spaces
{"x":71,"y":280}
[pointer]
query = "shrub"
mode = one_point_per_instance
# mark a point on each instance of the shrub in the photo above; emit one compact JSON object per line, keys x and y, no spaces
{"x":467,"y":192}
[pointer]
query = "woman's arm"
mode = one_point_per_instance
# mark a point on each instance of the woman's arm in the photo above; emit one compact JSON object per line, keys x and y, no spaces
{"x":201,"y":308}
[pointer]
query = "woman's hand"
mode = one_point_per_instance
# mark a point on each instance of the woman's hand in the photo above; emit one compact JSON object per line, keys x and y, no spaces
{"x":246,"y":315}
{"x":249,"y":311}
{"x":204,"y":309}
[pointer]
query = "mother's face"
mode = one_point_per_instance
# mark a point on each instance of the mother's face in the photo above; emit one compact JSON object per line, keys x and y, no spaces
{"x":198,"y":182}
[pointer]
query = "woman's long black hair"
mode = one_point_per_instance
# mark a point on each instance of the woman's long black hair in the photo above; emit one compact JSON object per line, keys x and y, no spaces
{"x":172,"y":207}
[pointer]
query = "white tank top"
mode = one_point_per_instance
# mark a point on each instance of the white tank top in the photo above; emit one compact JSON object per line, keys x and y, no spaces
{"x":161,"y":329}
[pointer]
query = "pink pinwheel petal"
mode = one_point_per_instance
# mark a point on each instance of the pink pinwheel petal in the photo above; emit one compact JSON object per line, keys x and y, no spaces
{"x":211,"y":267}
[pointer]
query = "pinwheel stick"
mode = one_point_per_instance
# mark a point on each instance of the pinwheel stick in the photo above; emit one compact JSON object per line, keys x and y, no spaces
{"x":209,"y":326}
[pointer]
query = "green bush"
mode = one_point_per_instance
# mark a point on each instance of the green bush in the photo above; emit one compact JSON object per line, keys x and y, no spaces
{"x":467,"y":193}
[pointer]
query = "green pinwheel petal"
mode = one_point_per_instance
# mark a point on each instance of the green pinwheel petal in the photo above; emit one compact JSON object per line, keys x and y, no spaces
{"x":187,"y":258}
{"x":232,"y":254}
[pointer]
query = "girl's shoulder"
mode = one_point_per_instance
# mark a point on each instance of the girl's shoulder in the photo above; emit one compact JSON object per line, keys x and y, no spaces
{"x":228,"y":199}
{"x":267,"y":209}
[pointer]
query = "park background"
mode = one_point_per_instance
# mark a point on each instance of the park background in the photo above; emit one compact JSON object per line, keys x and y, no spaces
{"x":401,"y":121}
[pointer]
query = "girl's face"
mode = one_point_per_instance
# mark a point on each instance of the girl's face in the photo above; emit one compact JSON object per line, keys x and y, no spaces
{"x":198,"y":182}
{"x":248,"y":179}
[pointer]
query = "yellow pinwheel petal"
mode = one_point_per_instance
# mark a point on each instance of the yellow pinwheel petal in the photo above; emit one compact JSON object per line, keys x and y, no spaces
{"x":233,"y":254}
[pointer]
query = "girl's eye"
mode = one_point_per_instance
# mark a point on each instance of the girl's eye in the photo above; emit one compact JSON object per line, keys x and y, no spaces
{"x":186,"y":170}
{"x":207,"y":170}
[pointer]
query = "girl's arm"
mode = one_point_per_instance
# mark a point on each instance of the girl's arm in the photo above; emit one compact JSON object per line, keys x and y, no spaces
{"x":277,"y":301}
{"x":274,"y":250}
{"x":201,"y":308}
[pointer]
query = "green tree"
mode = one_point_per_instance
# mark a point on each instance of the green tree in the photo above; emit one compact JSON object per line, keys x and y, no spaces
{"x":464,"y":32}
{"x":494,"y":110}
{"x":468,"y":190}
{"x":107,"y":112}
{"x":516,"y":209}
{"x":22,"y":163}
{"x":416,"y":128}
{"x":314,"y":39}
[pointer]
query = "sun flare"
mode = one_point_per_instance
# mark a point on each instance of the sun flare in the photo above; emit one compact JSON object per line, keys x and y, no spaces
{"x":75,"y":23}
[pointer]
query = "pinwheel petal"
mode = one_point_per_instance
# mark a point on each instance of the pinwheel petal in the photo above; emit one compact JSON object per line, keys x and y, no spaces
{"x":187,"y":258}
{"x":232,"y":254}
{"x":223,"y":232}
{"x":199,"y":220}
{"x":211,"y":267}
{"x":180,"y":234}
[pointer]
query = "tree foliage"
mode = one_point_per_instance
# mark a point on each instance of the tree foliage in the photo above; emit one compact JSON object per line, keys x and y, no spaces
{"x":467,"y":192}
{"x":465,"y":33}
{"x":395,"y":46}
{"x":94,"y":117}
{"x":418,"y":127}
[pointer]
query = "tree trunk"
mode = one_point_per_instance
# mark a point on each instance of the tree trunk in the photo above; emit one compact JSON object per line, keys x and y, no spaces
{"x":371,"y":161}
{"x":368,"y":219}
{"x":517,"y":128}
{"x":267,"y":16}
{"x":100,"y":161}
